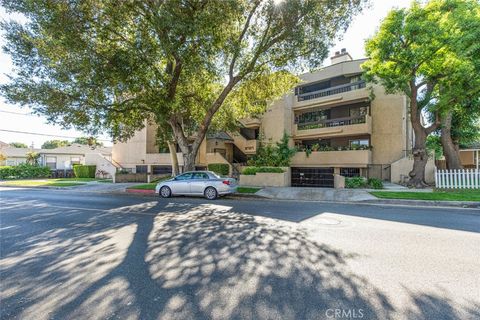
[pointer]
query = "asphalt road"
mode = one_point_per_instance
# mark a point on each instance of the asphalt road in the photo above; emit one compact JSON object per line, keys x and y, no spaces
{"x":67,"y":255}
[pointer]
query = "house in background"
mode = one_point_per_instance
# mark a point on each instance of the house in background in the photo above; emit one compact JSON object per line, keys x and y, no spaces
{"x":339,"y":124}
{"x":470,"y":157}
{"x":63,"y":158}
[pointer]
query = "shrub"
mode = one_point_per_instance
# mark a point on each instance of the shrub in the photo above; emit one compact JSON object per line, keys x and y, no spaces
{"x":83,"y":171}
{"x":253,"y":170}
{"x":355,"y":182}
{"x":274,"y":155}
{"x":222,"y":169}
{"x":23,"y":171}
{"x":375,"y":183}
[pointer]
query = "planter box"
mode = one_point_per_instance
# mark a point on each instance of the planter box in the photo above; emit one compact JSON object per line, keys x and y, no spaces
{"x":267,"y":179}
{"x":130,"y":177}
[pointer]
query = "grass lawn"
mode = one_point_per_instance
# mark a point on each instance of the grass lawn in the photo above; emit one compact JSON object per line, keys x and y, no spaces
{"x":247,"y":189}
{"x":81,"y":180}
{"x":463,"y":195}
{"x":145,"y":186}
{"x":41,"y":183}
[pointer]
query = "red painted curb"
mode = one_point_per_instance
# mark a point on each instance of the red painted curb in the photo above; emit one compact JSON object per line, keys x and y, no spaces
{"x":141,"y":191}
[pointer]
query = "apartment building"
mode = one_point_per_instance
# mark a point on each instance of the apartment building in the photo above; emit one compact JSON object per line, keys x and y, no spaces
{"x":339,"y":124}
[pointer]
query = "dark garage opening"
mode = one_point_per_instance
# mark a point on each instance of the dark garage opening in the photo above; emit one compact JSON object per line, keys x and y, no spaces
{"x":312,"y":177}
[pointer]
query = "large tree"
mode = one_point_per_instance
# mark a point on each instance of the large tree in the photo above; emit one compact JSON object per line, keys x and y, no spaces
{"x":18,"y":145}
{"x":52,"y":144}
{"x":90,"y":141}
{"x":415,"y":52}
{"x":183,"y":63}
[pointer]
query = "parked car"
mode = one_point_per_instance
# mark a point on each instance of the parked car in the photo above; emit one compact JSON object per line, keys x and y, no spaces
{"x":206,"y":183}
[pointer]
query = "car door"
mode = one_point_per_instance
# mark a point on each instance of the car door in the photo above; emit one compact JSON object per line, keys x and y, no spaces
{"x":198,"y":183}
{"x":181,"y":184}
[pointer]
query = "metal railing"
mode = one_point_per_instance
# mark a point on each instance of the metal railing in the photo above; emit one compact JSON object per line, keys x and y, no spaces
{"x":331,"y":91}
{"x":332,"y":123}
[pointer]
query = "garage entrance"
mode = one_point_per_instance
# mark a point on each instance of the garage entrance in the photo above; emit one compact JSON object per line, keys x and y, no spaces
{"x":312,"y":177}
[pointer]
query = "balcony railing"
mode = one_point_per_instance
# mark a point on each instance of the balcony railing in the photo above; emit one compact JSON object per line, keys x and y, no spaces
{"x":331,"y":123}
{"x":331,"y":91}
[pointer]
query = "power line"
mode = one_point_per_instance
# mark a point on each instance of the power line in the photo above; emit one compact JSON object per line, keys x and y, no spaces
{"x":46,"y":135}
{"x":18,"y":113}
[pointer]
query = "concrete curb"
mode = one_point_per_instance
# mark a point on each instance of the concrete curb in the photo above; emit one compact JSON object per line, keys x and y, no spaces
{"x":426,"y":203}
{"x":43,"y":187}
{"x":140,"y":191}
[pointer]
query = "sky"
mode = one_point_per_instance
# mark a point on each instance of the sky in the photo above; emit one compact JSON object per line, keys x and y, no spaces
{"x":14,"y":118}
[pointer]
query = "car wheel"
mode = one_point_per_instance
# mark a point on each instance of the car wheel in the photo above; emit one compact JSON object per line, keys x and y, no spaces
{"x":210,"y":193}
{"x":165,"y":192}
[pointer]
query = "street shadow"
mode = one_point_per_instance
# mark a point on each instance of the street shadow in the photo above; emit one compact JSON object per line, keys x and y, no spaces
{"x":174,"y":260}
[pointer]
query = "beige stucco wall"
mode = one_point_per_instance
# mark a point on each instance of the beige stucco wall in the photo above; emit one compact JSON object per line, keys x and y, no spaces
{"x":132,"y":152}
{"x":278,"y":119}
{"x":389,"y":126}
{"x":264,"y":179}
{"x":402,"y":167}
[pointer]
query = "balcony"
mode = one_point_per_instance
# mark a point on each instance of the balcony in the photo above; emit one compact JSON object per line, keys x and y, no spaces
{"x":341,"y":94}
{"x":331,"y":91}
{"x":349,"y":158}
{"x":251,"y":122}
{"x":334,"y":127}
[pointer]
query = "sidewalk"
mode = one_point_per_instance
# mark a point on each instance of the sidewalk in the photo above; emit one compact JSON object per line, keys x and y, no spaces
{"x":354,"y":195}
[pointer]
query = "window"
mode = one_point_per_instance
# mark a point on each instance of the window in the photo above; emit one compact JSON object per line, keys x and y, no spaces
{"x":313,"y":116}
{"x":75,"y":160}
{"x":11,"y":163}
{"x":200,"y":176}
{"x":360,"y":142}
{"x":185,"y":176}
{"x":350,"y":172}
{"x":51,"y":162}
{"x":141,"y":169}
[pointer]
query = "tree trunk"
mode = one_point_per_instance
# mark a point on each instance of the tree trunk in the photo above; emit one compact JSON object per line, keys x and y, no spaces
{"x":189,"y":161}
{"x":420,"y":157}
{"x":451,"y":153}
{"x":173,"y":157}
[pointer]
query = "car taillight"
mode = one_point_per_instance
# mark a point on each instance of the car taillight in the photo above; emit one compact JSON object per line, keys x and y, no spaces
{"x":227,"y":182}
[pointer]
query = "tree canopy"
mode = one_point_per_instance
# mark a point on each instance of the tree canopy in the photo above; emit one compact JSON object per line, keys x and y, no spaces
{"x":90,"y":141}
{"x":52,"y":144}
{"x":18,"y":145}
{"x":426,"y":52}
{"x":192,"y":65}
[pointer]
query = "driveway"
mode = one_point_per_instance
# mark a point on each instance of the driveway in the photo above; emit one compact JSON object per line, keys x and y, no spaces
{"x":69,"y":255}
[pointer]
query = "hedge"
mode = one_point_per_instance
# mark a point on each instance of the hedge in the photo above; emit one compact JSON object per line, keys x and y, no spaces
{"x":23,"y":171}
{"x":222,"y":169}
{"x":83,"y":171}
{"x":250,"y":171}
{"x":361,"y":182}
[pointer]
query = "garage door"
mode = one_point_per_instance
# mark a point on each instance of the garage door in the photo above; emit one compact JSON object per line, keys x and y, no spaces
{"x":312,"y":177}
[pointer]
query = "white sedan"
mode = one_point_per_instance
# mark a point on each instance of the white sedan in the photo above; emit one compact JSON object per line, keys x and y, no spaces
{"x":206,"y":183}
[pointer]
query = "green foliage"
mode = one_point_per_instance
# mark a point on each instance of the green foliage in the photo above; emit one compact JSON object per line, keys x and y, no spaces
{"x":278,"y":155}
{"x":362,"y":182}
{"x":254,"y":170}
{"x":23,"y":171}
{"x":434,"y":145}
{"x":355,"y":182}
{"x":18,"y":145}
{"x":375,"y":183}
{"x":52,"y":144}
{"x":32,"y":158}
{"x":84,"y":171}
{"x":89,"y":141}
{"x":221,"y":169}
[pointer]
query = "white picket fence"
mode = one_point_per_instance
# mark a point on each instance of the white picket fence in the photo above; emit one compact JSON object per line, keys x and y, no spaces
{"x":457,"y":179}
